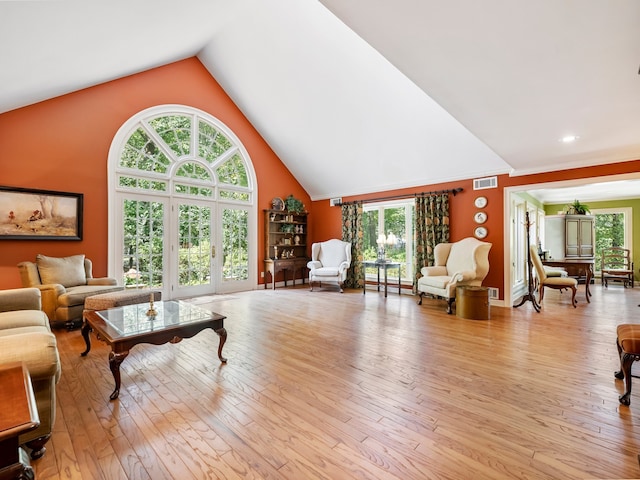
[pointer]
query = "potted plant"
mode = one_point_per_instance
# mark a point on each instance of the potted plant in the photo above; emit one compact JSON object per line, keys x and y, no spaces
{"x":293,"y":204}
{"x":287,"y":227}
{"x":578,"y":208}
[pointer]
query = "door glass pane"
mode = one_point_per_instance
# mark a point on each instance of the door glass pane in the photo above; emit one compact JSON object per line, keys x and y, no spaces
{"x":235,"y":247}
{"x":143,"y":246}
{"x":194,"y":245}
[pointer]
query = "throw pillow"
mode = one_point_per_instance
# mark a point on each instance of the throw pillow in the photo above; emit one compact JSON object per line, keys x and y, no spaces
{"x":67,"y":271}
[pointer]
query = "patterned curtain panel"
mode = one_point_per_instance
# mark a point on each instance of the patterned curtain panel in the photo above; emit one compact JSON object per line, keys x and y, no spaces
{"x":431,"y":228}
{"x":352,"y":232}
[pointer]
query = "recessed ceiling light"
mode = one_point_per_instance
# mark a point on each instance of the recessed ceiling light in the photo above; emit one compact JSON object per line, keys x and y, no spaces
{"x":569,"y":138}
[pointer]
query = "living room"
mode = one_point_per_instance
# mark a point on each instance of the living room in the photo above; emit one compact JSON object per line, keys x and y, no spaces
{"x":63,"y":144}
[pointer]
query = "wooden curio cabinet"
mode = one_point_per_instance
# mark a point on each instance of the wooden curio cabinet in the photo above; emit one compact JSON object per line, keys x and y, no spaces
{"x":285,"y":245}
{"x":570,"y":236}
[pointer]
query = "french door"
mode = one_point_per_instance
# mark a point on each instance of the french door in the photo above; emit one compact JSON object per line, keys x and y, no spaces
{"x":193,"y":248}
{"x":185,"y":247}
{"x":183,"y":218}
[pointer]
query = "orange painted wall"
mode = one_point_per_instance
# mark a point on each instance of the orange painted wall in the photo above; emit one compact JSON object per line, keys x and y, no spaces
{"x":326,"y":220}
{"x":62,"y":144}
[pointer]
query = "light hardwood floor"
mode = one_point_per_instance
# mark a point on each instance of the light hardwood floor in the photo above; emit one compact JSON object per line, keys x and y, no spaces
{"x":323,"y":385}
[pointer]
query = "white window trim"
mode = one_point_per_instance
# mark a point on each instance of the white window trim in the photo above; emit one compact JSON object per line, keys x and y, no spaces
{"x":628,"y":222}
{"x":409,"y":265}
{"x":113,"y":169}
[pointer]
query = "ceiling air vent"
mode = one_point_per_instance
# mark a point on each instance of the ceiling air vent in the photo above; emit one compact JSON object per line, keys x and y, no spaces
{"x":483,"y":183}
{"x":335,"y":202}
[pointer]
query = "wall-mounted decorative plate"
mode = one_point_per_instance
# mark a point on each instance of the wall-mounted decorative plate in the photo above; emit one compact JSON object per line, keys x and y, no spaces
{"x":480,"y":202}
{"x":480,"y":217}
{"x":277,"y":203}
{"x":480,"y":232}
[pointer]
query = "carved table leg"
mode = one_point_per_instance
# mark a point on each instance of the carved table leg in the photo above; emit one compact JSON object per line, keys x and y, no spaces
{"x":86,"y":331}
{"x":115,"y":359}
{"x":222,"y":333}
{"x":588,"y":283}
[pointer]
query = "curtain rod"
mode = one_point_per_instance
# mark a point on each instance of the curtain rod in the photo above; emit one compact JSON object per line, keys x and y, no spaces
{"x":409,"y":195}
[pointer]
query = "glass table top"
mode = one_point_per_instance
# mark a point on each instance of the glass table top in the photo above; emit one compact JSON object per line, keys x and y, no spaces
{"x":133,"y":319}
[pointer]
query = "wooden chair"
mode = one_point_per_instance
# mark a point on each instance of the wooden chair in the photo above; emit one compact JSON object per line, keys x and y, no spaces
{"x":558,"y":282}
{"x":616,"y":266}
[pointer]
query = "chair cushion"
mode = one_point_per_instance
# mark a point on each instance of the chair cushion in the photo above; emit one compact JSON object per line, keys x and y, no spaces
{"x":555,"y":271}
{"x":326,"y":272}
{"x":23,"y":318}
{"x":76,"y":295}
{"x":67,"y":271}
{"x":437,"y":282}
{"x":617,"y":272}
{"x":561,"y":281}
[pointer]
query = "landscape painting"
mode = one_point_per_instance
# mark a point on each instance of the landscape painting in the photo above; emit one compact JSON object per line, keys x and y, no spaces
{"x":27,"y":214}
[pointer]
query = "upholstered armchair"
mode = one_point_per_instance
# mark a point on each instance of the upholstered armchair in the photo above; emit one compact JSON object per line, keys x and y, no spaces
{"x":64,"y":283}
{"x":455,"y":264}
{"x":25,"y":336}
{"x":329,"y":262}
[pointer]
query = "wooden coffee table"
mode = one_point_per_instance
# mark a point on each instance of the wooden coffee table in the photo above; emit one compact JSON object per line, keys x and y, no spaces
{"x":123,"y":327}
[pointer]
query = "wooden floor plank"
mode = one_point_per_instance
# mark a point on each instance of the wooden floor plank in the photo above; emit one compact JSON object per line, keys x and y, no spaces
{"x":327,"y":385}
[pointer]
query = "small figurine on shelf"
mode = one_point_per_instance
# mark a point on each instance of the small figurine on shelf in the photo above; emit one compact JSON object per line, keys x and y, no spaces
{"x":296,"y":240}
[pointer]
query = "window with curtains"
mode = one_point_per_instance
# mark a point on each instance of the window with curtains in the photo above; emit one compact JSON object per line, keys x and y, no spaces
{"x":389,"y":226}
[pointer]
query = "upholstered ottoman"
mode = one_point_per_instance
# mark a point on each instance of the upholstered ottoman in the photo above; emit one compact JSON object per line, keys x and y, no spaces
{"x":105,"y":301}
{"x":628,"y":343}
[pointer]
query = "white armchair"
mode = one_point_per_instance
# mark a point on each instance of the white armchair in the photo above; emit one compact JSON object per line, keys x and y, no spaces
{"x":456,"y":264}
{"x":329,"y":262}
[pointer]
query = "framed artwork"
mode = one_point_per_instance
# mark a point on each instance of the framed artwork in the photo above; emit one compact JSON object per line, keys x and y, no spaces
{"x":27,"y":214}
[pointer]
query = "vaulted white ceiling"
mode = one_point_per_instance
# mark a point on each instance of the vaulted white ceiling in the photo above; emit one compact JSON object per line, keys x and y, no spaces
{"x":366,"y":95}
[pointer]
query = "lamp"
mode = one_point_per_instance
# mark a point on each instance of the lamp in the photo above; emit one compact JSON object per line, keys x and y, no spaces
{"x":385,"y":242}
{"x":381,"y":241}
{"x":391,"y":239}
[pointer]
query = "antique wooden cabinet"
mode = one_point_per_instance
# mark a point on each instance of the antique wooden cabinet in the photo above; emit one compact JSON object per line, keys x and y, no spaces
{"x":570,"y":236}
{"x":285,"y":246}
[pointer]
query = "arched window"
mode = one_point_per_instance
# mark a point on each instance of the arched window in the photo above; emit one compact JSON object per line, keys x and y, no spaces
{"x":182,"y":213}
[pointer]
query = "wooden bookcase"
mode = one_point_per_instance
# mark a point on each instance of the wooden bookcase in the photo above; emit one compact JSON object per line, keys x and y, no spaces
{"x":285,"y":245}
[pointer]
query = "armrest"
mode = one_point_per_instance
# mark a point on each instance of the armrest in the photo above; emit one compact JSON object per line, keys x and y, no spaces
{"x":433,"y":271}
{"x":102,"y":281}
{"x":20,"y":299}
{"x":50,"y":293}
{"x":313,"y":264}
{"x":38,"y":350}
{"x":463,"y":276}
{"x":343,"y":266}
